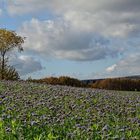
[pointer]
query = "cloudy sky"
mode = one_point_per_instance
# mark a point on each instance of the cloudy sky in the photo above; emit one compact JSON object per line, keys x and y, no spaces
{"x":79,"y":38}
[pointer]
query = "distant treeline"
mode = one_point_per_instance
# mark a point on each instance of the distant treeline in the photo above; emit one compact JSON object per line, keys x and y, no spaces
{"x":63,"y":80}
{"x":118,"y":84}
{"x":109,"y":84}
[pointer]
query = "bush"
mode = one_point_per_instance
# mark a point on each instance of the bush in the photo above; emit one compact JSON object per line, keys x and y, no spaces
{"x":9,"y":73}
{"x":63,"y":80}
{"x":50,"y":80}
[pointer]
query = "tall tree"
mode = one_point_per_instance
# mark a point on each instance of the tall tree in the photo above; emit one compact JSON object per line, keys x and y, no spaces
{"x":9,"y":40}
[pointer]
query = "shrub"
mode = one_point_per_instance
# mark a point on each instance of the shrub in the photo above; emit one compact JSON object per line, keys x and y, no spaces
{"x":63,"y":80}
{"x":9,"y":73}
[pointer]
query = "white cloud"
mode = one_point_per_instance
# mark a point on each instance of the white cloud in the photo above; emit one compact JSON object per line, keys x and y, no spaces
{"x":59,"y":39}
{"x":110,"y":18}
{"x":82,"y":30}
{"x":19,"y":7}
{"x":16,"y":6}
{"x":26,"y":64}
{"x":127,"y":66}
{"x":111,"y":68}
{"x":103,"y":22}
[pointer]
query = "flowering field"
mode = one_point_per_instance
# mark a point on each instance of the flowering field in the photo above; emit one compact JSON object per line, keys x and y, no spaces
{"x":30,"y":111}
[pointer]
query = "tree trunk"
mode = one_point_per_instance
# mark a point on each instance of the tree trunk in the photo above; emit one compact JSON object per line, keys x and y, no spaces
{"x":2,"y":66}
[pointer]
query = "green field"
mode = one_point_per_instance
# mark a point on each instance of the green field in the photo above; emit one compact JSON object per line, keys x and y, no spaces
{"x":30,"y":111}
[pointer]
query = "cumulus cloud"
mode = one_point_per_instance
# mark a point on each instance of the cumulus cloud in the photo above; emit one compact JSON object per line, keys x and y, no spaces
{"x":127,"y":66}
{"x":81,"y":30}
{"x":105,"y":22}
{"x":62,"y":5}
{"x":111,"y":68}
{"x":111,"y":18}
{"x":19,"y":7}
{"x":59,"y":39}
{"x":26,"y":64}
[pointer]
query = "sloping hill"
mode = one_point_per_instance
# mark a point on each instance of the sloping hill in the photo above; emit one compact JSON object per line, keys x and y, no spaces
{"x":89,"y":81}
{"x":137,"y":77}
{"x":39,"y":111}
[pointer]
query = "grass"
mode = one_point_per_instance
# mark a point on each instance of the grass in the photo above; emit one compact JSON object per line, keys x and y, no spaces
{"x":30,"y":111}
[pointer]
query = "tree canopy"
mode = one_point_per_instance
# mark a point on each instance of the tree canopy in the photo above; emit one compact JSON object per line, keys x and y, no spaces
{"x":9,"y":40}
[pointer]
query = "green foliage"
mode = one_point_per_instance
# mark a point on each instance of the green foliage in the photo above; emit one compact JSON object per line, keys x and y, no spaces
{"x":43,"y":112}
{"x":2,"y":87}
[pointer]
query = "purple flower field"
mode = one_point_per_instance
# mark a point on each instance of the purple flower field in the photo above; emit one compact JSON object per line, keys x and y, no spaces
{"x":45,"y":112}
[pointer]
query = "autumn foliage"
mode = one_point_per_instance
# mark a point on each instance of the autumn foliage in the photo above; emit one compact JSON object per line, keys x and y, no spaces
{"x":9,"y":40}
{"x":9,"y":73}
{"x":63,"y":80}
{"x":118,"y":84}
{"x":109,"y":84}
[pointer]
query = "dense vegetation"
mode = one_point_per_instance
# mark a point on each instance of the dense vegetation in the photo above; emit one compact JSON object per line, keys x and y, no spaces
{"x":63,"y":80}
{"x":9,"y":41}
{"x":118,"y":84}
{"x":9,"y":73}
{"x":109,"y":84}
{"x":35,"y":111}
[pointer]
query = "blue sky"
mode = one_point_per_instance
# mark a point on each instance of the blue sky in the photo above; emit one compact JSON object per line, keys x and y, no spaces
{"x":83,"y":39}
